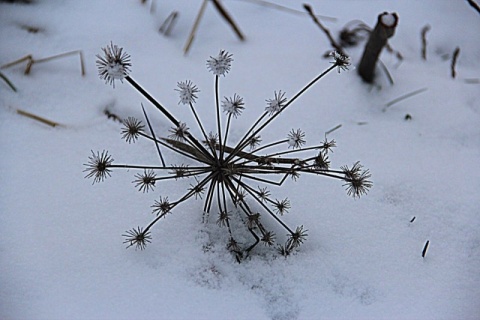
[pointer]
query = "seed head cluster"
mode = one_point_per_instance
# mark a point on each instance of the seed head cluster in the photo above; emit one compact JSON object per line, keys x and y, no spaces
{"x":232,"y":181}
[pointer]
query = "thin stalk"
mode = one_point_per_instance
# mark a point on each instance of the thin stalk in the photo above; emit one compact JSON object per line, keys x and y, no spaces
{"x":224,"y":204}
{"x":280,"y":160}
{"x":197,"y":118}
{"x":153,"y":135}
{"x":7,"y":81}
{"x":237,"y":149}
{"x":166,"y":113}
{"x":219,"y":125}
{"x":248,"y":189}
{"x":263,"y":147}
{"x":226,"y":130}
{"x":174,"y":204}
{"x":184,"y":153}
{"x":279,"y":183}
{"x":133,"y":166}
{"x":295,"y":97}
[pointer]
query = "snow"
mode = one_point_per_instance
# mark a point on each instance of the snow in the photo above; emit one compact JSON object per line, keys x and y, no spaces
{"x":61,"y":251}
{"x":388,"y":19}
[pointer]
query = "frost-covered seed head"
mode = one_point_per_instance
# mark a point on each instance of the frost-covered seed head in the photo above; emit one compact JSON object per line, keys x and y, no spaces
{"x":268,"y":238}
{"x":263,"y":194}
{"x":321,"y":161}
{"x":277,"y":103}
{"x":179,"y":133}
{"x":282,"y":206}
{"x":233,"y":246}
{"x":212,"y":139}
{"x":296,"y":139}
{"x":146,"y":181}
{"x":356,"y":180}
{"x":341,"y":61}
{"x":187,"y":91}
{"x":253,"y":220}
{"x":137,"y":237}
{"x":328,"y":145}
{"x":114,"y":65}
{"x":98,"y":166}
{"x":132,"y":129}
{"x":197,"y":190}
{"x":221,"y":64}
{"x":233,"y":106}
{"x":223,"y":219}
{"x":180,"y":171}
{"x":254,"y":141}
{"x":296,"y":239}
{"x":162,"y":206}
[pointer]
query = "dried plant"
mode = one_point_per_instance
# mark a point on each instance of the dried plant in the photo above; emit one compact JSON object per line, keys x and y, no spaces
{"x":231,"y":181}
{"x":31,"y":61}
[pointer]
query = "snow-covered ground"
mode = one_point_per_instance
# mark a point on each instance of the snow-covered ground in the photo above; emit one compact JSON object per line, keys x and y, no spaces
{"x":61,"y":250}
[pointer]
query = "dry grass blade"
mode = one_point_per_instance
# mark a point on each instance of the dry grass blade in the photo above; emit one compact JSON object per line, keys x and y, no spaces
{"x":228,"y":18}
{"x":38,"y":118}
{"x":30,"y":61}
{"x":287,"y":9}
{"x":7,"y":81}
{"x":405,"y":96}
{"x":191,"y":36}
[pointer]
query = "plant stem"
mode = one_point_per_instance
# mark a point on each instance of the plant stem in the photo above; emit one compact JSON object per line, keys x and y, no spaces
{"x":295,"y":97}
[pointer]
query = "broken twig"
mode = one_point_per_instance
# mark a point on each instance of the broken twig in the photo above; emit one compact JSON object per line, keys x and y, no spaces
{"x":425,"y":248}
{"x":333,"y":43}
{"x":384,"y":29}
{"x":333,"y":129}
{"x":424,"y":41}
{"x":454,"y":61}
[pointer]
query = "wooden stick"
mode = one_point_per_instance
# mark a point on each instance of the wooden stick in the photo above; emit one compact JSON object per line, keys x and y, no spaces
{"x":384,"y":29}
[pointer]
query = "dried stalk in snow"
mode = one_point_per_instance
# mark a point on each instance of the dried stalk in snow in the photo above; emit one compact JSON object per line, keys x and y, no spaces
{"x":385,"y":28}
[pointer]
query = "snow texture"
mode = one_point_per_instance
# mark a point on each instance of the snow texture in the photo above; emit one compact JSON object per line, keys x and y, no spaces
{"x":388,"y":20}
{"x":61,"y":251}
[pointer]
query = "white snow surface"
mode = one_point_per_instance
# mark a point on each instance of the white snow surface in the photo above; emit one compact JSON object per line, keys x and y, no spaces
{"x":388,"y":19}
{"x":61,"y":250}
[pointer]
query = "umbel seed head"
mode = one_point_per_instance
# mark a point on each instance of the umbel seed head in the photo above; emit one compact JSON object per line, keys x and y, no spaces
{"x":220,"y":65}
{"x":113,"y":65}
{"x":187,"y":91}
